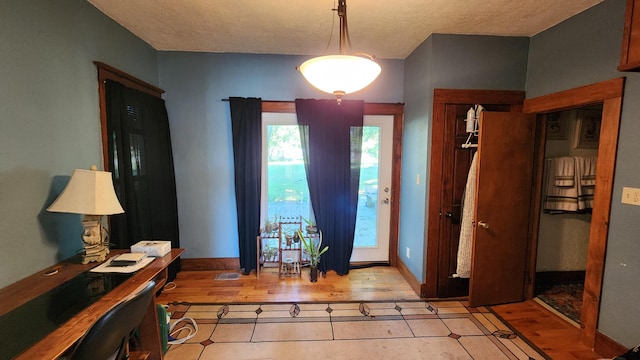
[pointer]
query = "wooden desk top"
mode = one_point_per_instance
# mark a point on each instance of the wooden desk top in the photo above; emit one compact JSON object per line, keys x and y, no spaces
{"x":21,"y":292}
{"x":64,"y":337}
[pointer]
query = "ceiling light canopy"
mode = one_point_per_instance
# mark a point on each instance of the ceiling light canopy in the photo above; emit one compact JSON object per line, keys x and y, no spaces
{"x":341,"y":74}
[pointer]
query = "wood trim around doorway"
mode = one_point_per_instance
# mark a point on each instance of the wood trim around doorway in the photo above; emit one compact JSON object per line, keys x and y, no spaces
{"x":397,"y":110}
{"x":609,"y":94}
{"x":442,"y":97}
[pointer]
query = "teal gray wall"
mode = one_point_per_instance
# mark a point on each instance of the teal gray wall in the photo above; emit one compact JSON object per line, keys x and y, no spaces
{"x":580,"y":51}
{"x":195,"y":85}
{"x":415,"y":162}
{"x":446,"y":62}
{"x":49,"y":125}
{"x":49,"y":119}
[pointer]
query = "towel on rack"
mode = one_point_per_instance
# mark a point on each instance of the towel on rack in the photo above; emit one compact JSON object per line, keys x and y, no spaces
{"x":559,"y":198}
{"x":463,"y":267}
{"x":588,"y":173}
{"x":565,"y":174}
{"x":585,"y":168}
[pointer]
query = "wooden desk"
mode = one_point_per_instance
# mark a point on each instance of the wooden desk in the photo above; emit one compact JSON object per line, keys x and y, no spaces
{"x":56,"y":343}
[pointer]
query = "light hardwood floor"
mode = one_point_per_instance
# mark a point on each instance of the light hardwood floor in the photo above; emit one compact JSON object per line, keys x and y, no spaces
{"x":556,"y":337}
{"x":376,"y":283}
{"x":551,"y":334}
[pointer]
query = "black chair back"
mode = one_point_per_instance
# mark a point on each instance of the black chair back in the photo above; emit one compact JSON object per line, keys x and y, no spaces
{"x":112,"y":331}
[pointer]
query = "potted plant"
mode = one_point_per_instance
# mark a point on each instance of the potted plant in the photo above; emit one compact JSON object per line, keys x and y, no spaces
{"x":270,"y":226}
{"x":314,"y":250}
{"x":311,"y":226}
{"x":288,"y":239}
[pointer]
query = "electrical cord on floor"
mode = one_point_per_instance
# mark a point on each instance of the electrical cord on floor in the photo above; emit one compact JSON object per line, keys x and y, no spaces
{"x":191,"y":327}
{"x":169,"y":286}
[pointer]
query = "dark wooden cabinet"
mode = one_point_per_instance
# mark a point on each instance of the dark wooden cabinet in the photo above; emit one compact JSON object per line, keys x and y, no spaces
{"x":630,"y":57}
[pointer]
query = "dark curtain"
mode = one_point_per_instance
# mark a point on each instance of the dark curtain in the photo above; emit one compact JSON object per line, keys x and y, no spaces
{"x":141,"y":161}
{"x":246,"y":128}
{"x":331,"y":136}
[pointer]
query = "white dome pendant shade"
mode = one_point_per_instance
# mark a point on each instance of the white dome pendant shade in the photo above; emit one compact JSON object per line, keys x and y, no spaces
{"x":340,"y":74}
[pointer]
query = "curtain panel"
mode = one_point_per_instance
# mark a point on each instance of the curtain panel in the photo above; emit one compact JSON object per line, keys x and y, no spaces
{"x":331,"y":137}
{"x":246,"y":128}
{"x":141,"y":162}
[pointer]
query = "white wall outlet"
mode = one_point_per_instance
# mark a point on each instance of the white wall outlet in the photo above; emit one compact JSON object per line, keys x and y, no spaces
{"x":408,"y":252}
{"x":418,"y":179}
{"x":631,"y":196}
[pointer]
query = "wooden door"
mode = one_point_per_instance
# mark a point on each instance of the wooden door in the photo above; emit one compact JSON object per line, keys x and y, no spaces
{"x":455,"y":164}
{"x":504,"y":191}
{"x":448,"y":175}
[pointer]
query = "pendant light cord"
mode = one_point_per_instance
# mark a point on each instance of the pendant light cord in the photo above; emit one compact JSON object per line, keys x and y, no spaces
{"x":345,"y":39}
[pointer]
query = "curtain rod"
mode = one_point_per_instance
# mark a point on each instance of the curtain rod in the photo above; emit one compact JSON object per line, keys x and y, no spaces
{"x":283,"y":106}
{"x":282,"y":101}
{"x":290,"y":101}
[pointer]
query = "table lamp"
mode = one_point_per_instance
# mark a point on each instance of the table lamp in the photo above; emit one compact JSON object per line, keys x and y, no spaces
{"x":90,"y":193}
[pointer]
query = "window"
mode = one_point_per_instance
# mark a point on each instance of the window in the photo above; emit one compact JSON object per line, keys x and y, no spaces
{"x":285,"y":191}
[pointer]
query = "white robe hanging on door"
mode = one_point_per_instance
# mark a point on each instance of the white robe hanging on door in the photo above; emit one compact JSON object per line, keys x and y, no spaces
{"x":463,"y":268}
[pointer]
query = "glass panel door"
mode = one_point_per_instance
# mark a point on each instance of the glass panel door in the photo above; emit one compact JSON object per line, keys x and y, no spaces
{"x":285,"y":192}
{"x":374,"y":196}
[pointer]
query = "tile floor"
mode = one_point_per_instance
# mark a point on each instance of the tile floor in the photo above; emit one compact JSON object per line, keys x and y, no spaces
{"x":372,"y":330}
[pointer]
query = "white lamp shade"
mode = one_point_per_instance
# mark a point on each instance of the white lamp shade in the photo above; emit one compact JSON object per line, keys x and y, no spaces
{"x":88,"y":192}
{"x":340,"y":73}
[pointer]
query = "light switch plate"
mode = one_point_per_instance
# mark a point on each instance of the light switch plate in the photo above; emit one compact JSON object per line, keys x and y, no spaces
{"x":631,"y":196}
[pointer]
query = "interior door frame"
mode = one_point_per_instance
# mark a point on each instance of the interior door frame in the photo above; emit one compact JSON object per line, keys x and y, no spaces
{"x":442,"y":98}
{"x":397,"y":110}
{"x":609,"y":94}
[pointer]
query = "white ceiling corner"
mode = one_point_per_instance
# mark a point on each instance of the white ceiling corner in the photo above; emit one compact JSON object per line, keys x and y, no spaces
{"x":385,"y":29}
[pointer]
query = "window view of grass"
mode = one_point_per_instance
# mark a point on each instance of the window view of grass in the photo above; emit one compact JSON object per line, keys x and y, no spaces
{"x":288,"y":193}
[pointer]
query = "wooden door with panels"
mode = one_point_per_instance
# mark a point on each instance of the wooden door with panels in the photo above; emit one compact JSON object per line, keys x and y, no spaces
{"x":504,"y":195}
{"x":450,"y":164}
{"x":609,"y":93}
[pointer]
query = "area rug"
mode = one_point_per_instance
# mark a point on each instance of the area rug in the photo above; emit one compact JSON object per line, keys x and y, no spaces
{"x":564,"y":298}
{"x":345,"y":330}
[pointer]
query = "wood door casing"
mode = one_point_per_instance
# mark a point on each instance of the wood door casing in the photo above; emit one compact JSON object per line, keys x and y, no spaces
{"x":506,"y":157}
{"x":445,"y":189}
{"x":609,"y":93}
{"x":455,"y":168}
{"x":397,"y":111}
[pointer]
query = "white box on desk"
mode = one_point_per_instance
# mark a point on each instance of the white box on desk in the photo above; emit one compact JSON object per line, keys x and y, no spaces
{"x":155,"y":248}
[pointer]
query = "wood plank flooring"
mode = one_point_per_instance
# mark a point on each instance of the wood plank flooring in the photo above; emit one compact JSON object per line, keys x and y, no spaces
{"x":557,"y":338}
{"x":376,"y":283}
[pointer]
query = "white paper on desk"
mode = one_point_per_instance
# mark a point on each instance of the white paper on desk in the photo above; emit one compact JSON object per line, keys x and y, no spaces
{"x":105,"y":268}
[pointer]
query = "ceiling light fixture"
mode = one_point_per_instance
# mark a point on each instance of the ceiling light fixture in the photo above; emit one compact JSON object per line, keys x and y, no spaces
{"x":341,"y":74}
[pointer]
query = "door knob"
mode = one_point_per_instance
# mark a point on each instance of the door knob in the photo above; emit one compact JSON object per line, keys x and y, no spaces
{"x":385,"y":201}
{"x":483,"y":224}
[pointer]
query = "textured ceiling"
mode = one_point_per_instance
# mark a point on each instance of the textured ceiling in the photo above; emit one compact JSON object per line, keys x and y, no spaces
{"x":385,"y":29}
